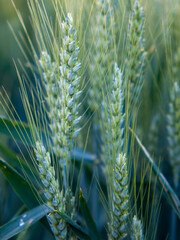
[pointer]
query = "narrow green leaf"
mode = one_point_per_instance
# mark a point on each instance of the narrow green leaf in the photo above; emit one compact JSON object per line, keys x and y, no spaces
{"x":25,"y":193}
{"x":77,"y":229}
{"x":14,"y":160}
{"x":19,"y":184}
{"x":16,"y":129}
{"x":79,"y":155}
{"x":168,"y":191}
{"x":21,"y":223}
{"x":93,"y":232}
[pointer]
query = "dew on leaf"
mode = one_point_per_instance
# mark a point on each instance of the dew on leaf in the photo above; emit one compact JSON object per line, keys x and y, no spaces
{"x":21,"y":223}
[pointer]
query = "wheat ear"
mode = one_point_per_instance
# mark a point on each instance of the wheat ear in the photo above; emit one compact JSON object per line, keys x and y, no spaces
{"x":62,"y":85}
{"x":51,"y":191}
{"x":70,"y":80}
{"x":103,"y":52}
{"x":117,"y":162}
{"x":54,"y":92}
{"x":173,"y":129}
{"x":136,"y":54}
{"x":176,"y":66}
{"x":63,"y":91}
{"x":112,"y":128}
{"x":120,"y":200}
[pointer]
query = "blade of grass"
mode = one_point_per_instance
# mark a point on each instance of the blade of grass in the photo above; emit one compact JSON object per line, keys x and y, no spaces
{"x":21,"y":223}
{"x":26,"y":194}
{"x":168,"y":191}
{"x":21,"y":187}
{"x":93,"y":232}
{"x":19,"y":184}
{"x":12,"y":128}
{"x":14,"y":160}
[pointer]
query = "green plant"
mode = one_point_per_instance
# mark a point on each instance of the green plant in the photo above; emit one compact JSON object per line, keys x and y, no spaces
{"x":71,"y":77}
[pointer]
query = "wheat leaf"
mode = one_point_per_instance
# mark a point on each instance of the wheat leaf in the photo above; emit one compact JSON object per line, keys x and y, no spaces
{"x":19,"y":184}
{"x":21,"y":223}
{"x":88,"y":218}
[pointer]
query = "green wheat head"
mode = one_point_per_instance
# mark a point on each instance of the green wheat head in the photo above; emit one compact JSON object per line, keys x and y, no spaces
{"x":112,"y":111}
{"x":120,"y":200}
{"x":63,"y":91}
{"x":176,"y":66}
{"x":51,"y":190}
{"x":173,"y":129}
{"x":102,"y":57}
{"x":135,"y":62}
{"x":62,"y":86}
